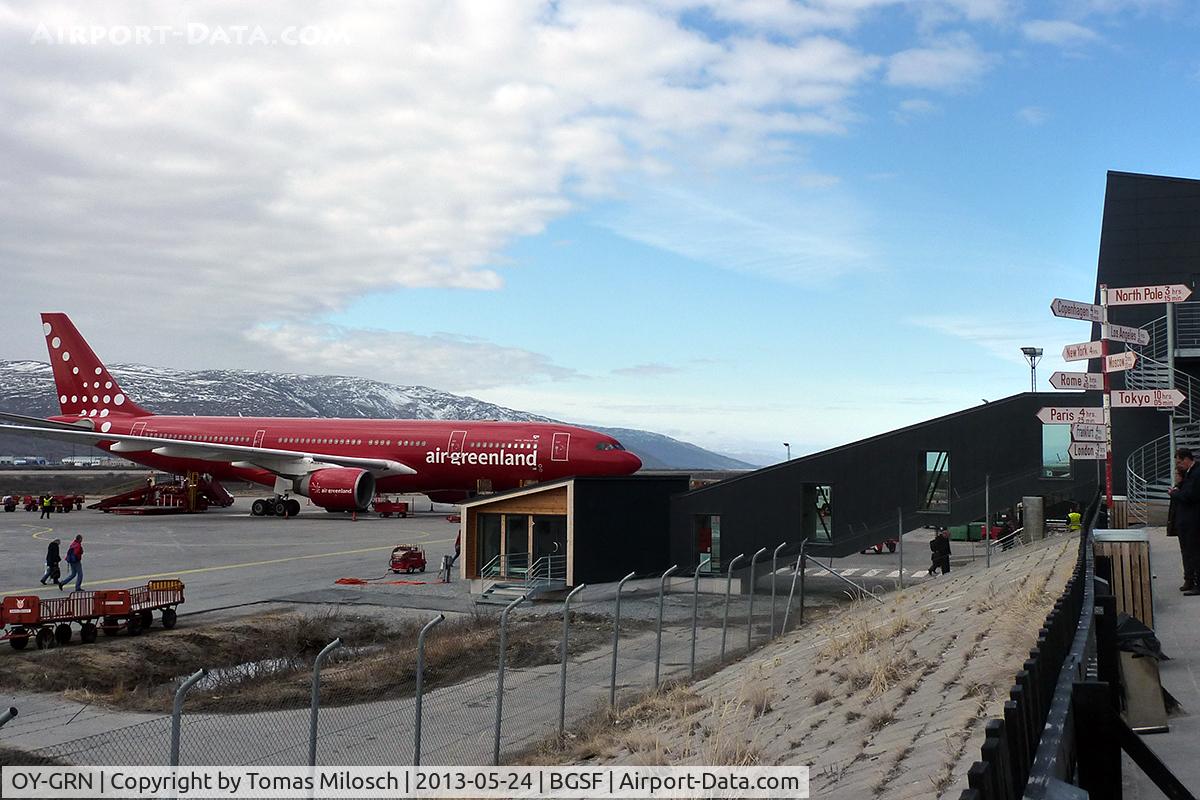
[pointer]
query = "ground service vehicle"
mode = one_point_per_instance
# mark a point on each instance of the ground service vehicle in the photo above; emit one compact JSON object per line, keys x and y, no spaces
{"x":385,"y":506}
{"x":408,"y":558}
{"x":48,"y":621}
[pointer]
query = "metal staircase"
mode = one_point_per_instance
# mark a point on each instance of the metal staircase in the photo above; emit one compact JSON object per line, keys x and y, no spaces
{"x":1150,"y":469}
{"x":507,"y":577}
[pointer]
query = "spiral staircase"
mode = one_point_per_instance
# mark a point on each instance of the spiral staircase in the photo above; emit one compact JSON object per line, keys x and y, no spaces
{"x":1149,"y":469}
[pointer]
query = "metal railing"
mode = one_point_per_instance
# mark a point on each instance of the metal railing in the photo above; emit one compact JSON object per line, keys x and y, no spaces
{"x":504,"y":567}
{"x":547,"y":571}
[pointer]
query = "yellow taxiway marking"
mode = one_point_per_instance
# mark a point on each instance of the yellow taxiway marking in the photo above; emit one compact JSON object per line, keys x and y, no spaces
{"x":38,"y":535}
{"x":197,"y":570}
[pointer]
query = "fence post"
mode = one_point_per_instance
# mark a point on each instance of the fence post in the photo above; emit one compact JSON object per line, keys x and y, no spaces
{"x":750,"y":608}
{"x":177,"y":713}
{"x":900,"y":541}
{"x":612,"y":685}
{"x":662,"y":584}
{"x":500,"y":677}
{"x":798,"y":571}
{"x":987,"y":517}
{"x":420,"y":681}
{"x":7,"y":715}
{"x":728,"y":587}
{"x":315,"y":704}
{"x":562,"y":668}
{"x":774,"y":570}
{"x":695,"y":612}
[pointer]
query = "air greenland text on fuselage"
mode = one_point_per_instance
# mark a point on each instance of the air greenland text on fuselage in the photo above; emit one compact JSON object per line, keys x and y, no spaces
{"x":503,"y":459}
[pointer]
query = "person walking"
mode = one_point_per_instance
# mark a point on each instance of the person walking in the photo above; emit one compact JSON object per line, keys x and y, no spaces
{"x":1186,"y":497}
{"x":52,"y":559}
{"x":939,"y":549}
{"x":75,"y":561}
{"x":46,"y":506}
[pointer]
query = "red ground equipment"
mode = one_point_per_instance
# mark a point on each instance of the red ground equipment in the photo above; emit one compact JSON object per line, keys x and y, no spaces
{"x":48,"y":620}
{"x":386,"y":506}
{"x":408,"y":558}
{"x":10,"y":502}
{"x":890,"y":544}
{"x":193,"y":494}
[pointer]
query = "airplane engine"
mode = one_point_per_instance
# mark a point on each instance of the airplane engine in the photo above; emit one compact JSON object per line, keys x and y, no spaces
{"x":338,"y":488}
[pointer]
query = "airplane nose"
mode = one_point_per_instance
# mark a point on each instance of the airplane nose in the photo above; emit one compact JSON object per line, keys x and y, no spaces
{"x":633,"y":462}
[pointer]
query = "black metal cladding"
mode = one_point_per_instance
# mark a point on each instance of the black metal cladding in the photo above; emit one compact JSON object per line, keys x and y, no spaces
{"x":619,"y":524}
{"x":873,"y":478}
{"x":1150,"y":236}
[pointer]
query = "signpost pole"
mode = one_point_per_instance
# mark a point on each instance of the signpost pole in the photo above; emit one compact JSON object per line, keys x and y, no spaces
{"x":1108,"y":475}
{"x":1171,"y":373}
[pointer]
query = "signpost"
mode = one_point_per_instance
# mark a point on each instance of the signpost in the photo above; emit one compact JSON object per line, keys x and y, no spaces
{"x":1084,"y":432}
{"x":1083,"y":351}
{"x":1077,"y":380}
{"x":1147,"y":398}
{"x":1091,"y":428}
{"x":1141,"y":295}
{"x":1088,"y":451}
{"x":1119,"y":362}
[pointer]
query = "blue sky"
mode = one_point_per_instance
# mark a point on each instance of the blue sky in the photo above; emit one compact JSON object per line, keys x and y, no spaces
{"x":735,"y":223}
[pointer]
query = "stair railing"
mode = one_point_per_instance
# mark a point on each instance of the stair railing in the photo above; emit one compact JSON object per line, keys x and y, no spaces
{"x":505,"y":566}
{"x":547,"y":571}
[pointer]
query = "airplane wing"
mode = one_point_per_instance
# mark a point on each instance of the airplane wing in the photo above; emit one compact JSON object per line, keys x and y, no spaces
{"x":286,"y":463}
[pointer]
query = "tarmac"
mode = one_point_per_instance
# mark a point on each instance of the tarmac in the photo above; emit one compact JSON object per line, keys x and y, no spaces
{"x":1175,"y":618}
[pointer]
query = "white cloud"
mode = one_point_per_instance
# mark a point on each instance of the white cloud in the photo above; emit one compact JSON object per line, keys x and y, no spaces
{"x":1058,"y":32}
{"x":1032,"y":115}
{"x":910,"y":109}
{"x":951,"y":63}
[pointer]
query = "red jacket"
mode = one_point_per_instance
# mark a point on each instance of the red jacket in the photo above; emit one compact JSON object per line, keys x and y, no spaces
{"x":77,"y":549}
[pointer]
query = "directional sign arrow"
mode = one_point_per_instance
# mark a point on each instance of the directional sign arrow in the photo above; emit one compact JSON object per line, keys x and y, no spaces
{"x":1083,"y":351}
{"x":1087,"y":451}
{"x":1077,"y":380}
{"x":1088,"y":433}
{"x":1068,"y":416}
{"x":1139,"y":295}
{"x":1147,"y":398}
{"x":1124,"y":333}
{"x":1118,"y":362}
{"x":1072,"y":309}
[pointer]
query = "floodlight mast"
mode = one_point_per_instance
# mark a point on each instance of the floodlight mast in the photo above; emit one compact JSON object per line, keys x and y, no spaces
{"x":1033,"y":355}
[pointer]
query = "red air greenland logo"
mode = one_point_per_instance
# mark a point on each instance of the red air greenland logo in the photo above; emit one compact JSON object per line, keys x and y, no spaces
{"x":505,"y":458}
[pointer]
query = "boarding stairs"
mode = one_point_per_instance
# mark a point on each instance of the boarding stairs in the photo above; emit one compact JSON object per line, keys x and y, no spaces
{"x":508,"y":577}
{"x":1150,"y":469}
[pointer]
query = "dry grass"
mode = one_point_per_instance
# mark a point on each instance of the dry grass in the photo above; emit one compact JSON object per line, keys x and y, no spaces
{"x":757,"y":696}
{"x":879,"y":720}
{"x":821,"y":695}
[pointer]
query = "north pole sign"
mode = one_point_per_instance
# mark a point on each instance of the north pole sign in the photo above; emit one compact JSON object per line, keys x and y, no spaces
{"x":1140,"y":295}
{"x":1069,"y":416}
{"x":1147,"y":398}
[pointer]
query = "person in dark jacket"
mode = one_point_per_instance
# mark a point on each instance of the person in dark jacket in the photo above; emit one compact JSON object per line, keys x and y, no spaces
{"x":1186,"y":496}
{"x":52,"y":559}
{"x":939,"y":549}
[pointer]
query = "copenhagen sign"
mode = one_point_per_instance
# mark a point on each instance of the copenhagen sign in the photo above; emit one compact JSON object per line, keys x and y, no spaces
{"x":1072,"y":309}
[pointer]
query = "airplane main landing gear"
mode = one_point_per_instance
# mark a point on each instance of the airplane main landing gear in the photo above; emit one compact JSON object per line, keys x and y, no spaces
{"x":275,"y":507}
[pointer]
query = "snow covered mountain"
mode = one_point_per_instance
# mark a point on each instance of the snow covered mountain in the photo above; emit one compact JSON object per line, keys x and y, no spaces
{"x":27,"y":387}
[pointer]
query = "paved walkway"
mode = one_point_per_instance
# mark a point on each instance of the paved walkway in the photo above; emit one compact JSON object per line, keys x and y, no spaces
{"x":1177,"y":620}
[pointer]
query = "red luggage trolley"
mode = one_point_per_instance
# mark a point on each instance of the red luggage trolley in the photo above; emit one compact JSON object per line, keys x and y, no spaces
{"x":48,"y":622}
{"x":133,"y":609}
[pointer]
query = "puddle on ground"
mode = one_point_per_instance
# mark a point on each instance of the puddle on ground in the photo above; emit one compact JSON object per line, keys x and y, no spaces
{"x":229,"y":677}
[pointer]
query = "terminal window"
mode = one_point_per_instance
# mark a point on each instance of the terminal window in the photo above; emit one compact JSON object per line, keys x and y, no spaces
{"x":707,"y":528}
{"x":934,"y":482}
{"x":1056,"y":460}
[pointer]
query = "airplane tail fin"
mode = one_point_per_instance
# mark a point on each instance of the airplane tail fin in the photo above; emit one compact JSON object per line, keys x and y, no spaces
{"x":85,"y":386}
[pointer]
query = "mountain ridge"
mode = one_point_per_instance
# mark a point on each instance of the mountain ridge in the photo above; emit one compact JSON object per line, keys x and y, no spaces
{"x":29,"y":389}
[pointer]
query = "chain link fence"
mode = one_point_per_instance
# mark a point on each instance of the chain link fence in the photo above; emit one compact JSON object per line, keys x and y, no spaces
{"x":366,"y":709}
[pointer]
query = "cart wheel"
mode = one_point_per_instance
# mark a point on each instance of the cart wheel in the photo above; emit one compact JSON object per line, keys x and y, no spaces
{"x":422,"y":569}
{"x":134,"y":625}
{"x":891,"y":547}
{"x":62,"y":633}
{"x":44,"y":638}
{"x":87,"y":632}
{"x":168,"y":618}
{"x":19,"y":639}
{"x":110,"y":626}
{"x":385,"y":514}
{"x":258,"y":508}
{"x":404,"y":513}
{"x":147,"y":619}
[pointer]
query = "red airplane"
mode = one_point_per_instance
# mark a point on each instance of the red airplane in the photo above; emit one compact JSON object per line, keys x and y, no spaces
{"x":338,"y":464}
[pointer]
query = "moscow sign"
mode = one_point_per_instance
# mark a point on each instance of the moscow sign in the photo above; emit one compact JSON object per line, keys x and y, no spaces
{"x":1118,"y":362}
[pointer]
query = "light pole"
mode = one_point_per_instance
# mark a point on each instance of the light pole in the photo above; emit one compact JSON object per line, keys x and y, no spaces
{"x":788,"y":445}
{"x":1033,"y":355}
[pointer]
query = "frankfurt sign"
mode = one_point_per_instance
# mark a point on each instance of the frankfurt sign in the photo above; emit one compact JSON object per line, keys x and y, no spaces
{"x":1118,"y":362}
{"x":1075,"y":310}
{"x":1124,"y":333}
{"x":1088,"y":451}
{"x":1083,"y":351}
{"x":1139,"y":295}
{"x":1069,"y":416}
{"x":1077,"y":380}
{"x":1088,"y":433}
{"x":1147,"y":398}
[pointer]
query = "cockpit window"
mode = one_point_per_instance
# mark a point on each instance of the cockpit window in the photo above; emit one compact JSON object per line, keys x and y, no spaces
{"x":608,"y":446}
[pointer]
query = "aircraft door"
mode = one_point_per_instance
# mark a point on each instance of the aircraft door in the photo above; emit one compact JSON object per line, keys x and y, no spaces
{"x":457,"y":438}
{"x":258,"y":438}
{"x":558,"y":449}
{"x":139,"y":429}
